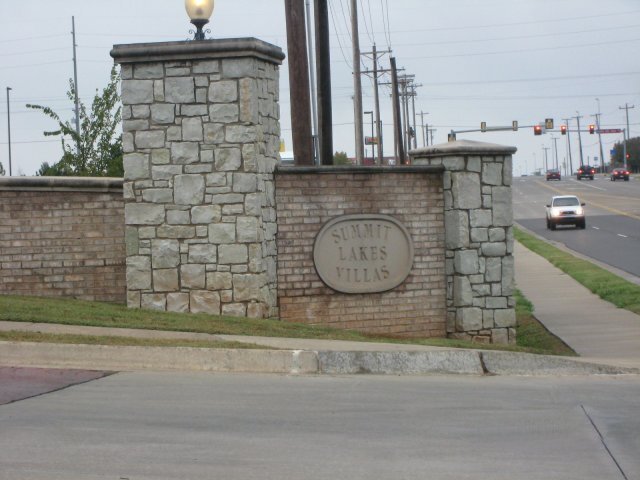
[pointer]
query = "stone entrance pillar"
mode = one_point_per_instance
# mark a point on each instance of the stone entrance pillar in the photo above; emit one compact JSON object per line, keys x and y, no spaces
{"x":201,"y":140}
{"x":479,"y":238}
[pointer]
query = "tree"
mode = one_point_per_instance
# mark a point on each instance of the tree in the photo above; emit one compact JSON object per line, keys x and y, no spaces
{"x":1,"y":170}
{"x":97,"y":150}
{"x":633,"y":150}
{"x":341,"y":158}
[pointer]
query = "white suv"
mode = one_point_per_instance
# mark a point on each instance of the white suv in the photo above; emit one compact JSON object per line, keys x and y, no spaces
{"x":565,"y":210}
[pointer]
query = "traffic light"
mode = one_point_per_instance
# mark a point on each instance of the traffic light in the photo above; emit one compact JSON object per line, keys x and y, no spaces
{"x":628,"y":156}
{"x":563,"y":129}
{"x":537,"y":129}
{"x":592,"y":129}
{"x":483,"y":126}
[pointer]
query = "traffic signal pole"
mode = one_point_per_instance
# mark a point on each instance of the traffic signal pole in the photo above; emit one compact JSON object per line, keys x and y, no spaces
{"x":566,"y":120}
{"x":579,"y":138}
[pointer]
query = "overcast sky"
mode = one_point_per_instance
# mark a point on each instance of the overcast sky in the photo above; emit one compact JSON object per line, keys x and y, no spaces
{"x":494,"y":61}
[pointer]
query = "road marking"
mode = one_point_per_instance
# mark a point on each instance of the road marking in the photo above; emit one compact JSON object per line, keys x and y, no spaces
{"x":623,"y":236}
{"x":596,"y":228}
{"x":587,"y":185}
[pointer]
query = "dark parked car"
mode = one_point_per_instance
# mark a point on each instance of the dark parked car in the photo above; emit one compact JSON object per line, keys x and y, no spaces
{"x":565,"y":210}
{"x":553,"y":174}
{"x":620,"y":174}
{"x":585,"y":171}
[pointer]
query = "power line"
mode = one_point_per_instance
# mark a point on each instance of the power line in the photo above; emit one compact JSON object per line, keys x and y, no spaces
{"x":385,"y":21}
{"x":515,"y":24}
{"x":366,"y":24}
{"x":335,"y":27}
{"x":34,"y":64}
{"x":518,"y":37}
{"x":30,"y":52}
{"x":540,"y":79}
{"x":31,"y":38}
{"x":535,"y":49}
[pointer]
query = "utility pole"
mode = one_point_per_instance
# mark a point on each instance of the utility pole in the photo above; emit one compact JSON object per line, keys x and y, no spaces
{"x":627,"y":107}
{"x":399,"y":144}
{"x":627,"y":132}
{"x":376,"y":72}
{"x":9,"y":129}
{"x":357,"y":83}
{"x":75,"y":75}
{"x":312,"y":84}
{"x":555,"y":151}
{"x":405,"y":82}
{"x":579,"y":138}
{"x":597,"y":117}
{"x":422,"y":114}
{"x":624,"y":148}
{"x":546,"y":163}
{"x":413,"y":109}
{"x":566,"y":120}
{"x":299,"y":83}
{"x":405,"y":116}
{"x":323,"y":59}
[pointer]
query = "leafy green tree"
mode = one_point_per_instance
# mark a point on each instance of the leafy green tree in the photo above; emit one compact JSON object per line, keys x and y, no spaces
{"x":341,"y":158}
{"x":633,"y":149}
{"x":97,"y":150}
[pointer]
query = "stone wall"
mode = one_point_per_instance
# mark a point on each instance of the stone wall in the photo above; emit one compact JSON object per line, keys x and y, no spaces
{"x":201,"y":140}
{"x":307,"y":198}
{"x":479,"y":238}
{"x":62,"y":237}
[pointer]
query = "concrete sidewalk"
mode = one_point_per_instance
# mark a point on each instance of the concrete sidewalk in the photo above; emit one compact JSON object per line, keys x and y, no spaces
{"x":595,"y":329}
{"x":608,"y":339}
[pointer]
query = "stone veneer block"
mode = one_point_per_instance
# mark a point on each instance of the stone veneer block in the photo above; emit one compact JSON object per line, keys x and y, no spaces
{"x":201,"y":121}
{"x":479,"y":240}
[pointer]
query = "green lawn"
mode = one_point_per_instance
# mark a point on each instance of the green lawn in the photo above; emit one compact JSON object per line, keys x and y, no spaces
{"x":37,"y":337}
{"x":76,"y":312}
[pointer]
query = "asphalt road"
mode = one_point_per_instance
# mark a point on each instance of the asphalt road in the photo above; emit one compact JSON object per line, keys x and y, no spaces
{"x":612,"y":211}
{"x":203,"y":426}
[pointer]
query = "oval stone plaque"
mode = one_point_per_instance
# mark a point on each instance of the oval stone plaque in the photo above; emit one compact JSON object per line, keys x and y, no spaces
{"x":363,"y":253}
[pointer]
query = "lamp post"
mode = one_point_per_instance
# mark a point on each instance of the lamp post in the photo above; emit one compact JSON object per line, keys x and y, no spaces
{"x":373,"y":146}
{"x":9,"y":128}
{"x":199,"y":12}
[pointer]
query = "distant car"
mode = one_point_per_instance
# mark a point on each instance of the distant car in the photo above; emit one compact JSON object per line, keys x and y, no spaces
{"x":565,"y":210}
{"x":620,"y":174}
{"x":585,"y":171}
{"x":553,"y":174}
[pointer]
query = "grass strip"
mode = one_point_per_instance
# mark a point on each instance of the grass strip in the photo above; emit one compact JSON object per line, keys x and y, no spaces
{"x":77,"y":312}
{"x":39,"y":337}
{"x":606,"y":285}
{"x":533,"y":335}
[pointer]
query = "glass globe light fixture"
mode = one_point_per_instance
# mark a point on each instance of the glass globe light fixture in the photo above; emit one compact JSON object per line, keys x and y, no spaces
{"x":199,"y":12}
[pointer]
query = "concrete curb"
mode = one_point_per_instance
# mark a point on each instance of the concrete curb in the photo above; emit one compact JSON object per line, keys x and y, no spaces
{"x":464,"y":362}
{"x":294,"y":362}
{"x":123,"y":358}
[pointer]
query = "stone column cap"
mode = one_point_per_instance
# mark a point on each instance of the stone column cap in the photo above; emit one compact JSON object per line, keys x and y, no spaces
{"x":197,"y":50}
{"x":463,"y":147}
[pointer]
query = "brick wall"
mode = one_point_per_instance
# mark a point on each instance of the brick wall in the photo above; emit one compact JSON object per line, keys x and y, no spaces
{"x":62,"y":237}
{"x":307,"y":198}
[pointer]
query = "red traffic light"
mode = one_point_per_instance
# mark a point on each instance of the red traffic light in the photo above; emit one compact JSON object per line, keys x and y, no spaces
{"x":563,"y":129}
{"x":592,"y":129}
{"x":628,"y":156}
{"x":537,"y":130}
